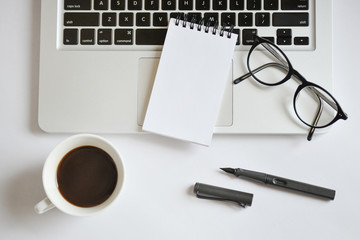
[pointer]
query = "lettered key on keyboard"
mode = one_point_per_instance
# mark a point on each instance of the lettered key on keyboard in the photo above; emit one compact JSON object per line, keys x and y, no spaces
{"x":152,"y":4}
{"x":236,"y":4}
{"x":117,"y":4}
{"x":134,"y":4}
{"x":219,"y":4}
{"x":101,"y":4}
{"x":185,"y":4}
{"x":202,"y":4}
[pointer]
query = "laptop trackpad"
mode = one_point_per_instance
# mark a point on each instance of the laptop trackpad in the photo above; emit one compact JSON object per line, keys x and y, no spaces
{"x":147,"y":73}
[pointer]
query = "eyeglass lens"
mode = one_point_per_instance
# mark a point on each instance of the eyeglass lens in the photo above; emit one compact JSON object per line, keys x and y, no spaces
{"x":267,"y":64}
{"x":315,"y":107}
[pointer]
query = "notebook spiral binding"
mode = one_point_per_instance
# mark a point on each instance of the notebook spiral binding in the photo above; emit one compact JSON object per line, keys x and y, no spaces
{"x":206,"y":25}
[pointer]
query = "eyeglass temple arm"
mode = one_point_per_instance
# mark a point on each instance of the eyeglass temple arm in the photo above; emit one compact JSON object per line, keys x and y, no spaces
{"x":275,"y":53}
{"x":316,"y":120}
{"x":247,"y":75}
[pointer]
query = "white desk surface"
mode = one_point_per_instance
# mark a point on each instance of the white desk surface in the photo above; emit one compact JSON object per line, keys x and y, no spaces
{"x":157,"y":201}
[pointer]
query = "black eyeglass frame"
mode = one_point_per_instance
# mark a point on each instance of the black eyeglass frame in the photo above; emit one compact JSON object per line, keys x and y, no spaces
{"x":292,"y":72}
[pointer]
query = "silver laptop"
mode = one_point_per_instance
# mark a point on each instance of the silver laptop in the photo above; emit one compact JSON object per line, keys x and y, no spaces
{"x":99,"y":58}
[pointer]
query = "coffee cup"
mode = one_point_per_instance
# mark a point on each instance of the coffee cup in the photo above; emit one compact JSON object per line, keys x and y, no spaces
{"x":82,"y":175}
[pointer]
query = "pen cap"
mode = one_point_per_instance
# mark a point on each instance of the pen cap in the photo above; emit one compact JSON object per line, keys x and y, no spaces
{"x":217,"y":193}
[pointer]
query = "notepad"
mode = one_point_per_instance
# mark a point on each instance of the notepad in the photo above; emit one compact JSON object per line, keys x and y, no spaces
{"x":190,"y":82}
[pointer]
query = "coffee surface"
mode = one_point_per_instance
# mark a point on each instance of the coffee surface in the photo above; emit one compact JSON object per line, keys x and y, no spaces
{"x":86,"y":176}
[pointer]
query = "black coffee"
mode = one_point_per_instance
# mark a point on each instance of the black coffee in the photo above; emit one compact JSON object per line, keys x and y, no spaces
{"x":87,"y":176}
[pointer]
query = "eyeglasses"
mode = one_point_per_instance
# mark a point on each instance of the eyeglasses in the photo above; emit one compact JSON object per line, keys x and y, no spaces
{"x":313,"y":105}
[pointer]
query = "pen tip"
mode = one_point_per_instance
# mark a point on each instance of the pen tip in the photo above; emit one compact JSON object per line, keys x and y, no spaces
{"x":228,"y":170}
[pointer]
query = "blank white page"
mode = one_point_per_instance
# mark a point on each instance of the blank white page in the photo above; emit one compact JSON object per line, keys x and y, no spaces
{"x":189,"y":82}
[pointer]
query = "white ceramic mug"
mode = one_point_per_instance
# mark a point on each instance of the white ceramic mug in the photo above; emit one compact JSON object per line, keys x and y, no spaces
{"x":49,"y":176}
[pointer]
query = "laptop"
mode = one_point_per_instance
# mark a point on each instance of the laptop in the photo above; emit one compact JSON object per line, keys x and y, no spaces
{"x":98,"y":61}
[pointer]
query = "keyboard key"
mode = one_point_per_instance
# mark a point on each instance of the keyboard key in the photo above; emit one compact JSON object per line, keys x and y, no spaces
{"x":150,"y":36}
{"x":77,"y":4}
{"x":176,"y":14}
{"x":228,"y":19}
{"x":253,"y":4}
{"x":70,"y":37}
{"x":87,"y":36}
{"x":81,"y":19}
{"x":248,"y":36}
{"x":143,"y":19}
{"x":104,"y":36}
{"x":219,"y":4}
{"x":294,"y":4}
{"x":109,"y":19}
{"x":284,"y":36}
{"x":211,"y":18}
{"x":301,"y":40}
{"x":236,"y":4}
{"x":195,"y":15}
{"x":126,"y":19}
{"x":185,"y":4}
{"x":291,"y":19}
{"x":160,"y":19}
{"x":168,"y":4}
{"x":202,"y":4}
{"x":134,"y":4}
{"x":245,"y":19}
{"x":271,"y":4}
{"x":284,"y":32}
{"x":283,"y":41}
{"x":124,"y":36}
{"x":101,"y":4}
{"x":151,"y":4}
{"x":117,"y":4}
{"x":262,"y":19}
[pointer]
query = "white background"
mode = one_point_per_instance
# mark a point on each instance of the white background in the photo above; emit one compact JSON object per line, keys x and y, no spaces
{"x":157,"y":201}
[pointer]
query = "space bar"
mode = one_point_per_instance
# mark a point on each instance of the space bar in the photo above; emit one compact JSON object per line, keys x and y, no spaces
{"x":150,"y":36}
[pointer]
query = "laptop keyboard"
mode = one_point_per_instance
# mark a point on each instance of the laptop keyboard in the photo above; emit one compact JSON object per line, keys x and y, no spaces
{"x":142,"y":24}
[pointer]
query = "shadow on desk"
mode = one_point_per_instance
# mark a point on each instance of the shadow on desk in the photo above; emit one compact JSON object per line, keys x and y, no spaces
{"x":22,"y":192}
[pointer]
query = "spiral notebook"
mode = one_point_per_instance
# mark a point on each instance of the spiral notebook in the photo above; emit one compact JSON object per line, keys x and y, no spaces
{"x":190,"y":81}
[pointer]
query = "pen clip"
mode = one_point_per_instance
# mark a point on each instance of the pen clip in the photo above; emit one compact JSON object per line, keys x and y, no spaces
{"x":279,"y":182}
{"x":205,"y":191}
{"x":206,"y":196}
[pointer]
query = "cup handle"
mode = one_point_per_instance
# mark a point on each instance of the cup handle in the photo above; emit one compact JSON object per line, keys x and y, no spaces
{"x":43,"y":206}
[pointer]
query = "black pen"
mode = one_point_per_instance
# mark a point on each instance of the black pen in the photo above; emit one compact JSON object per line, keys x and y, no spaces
{"x":282,"y":182}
